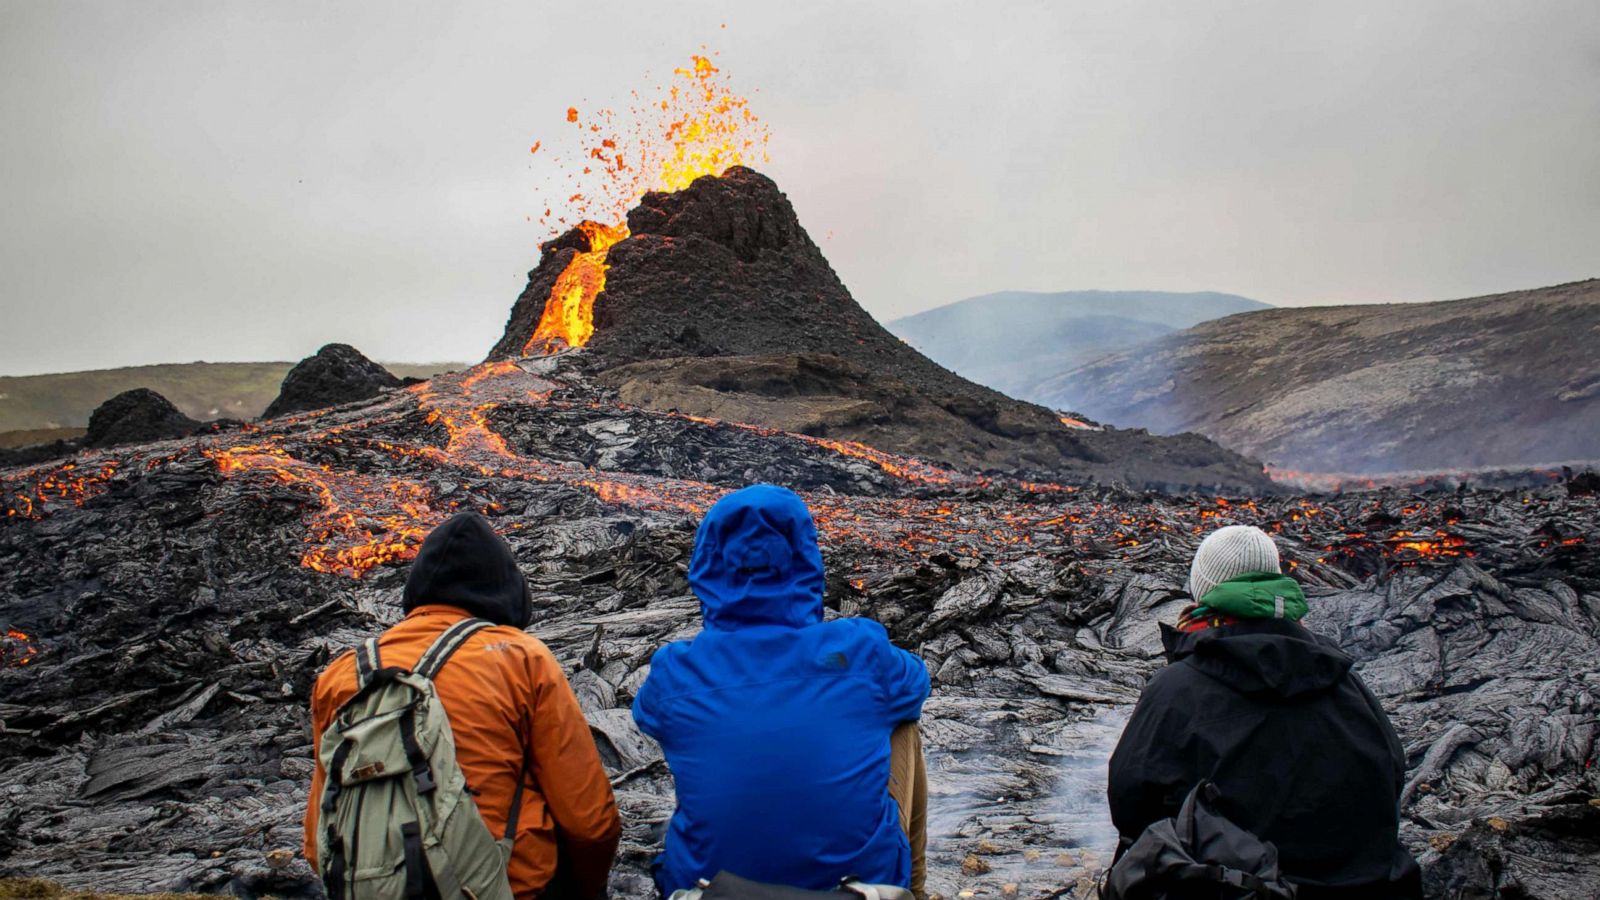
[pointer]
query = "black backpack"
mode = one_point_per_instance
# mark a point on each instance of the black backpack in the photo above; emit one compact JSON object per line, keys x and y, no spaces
{"x":1199,"y":854}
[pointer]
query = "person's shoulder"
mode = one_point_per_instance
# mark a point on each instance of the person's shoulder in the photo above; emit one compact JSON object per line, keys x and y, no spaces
{"x":857,"y":628}
{"x":345,"y":659}
{"x":1180,"y":677}
{"x":867,"y":639}
{"x":337,"y":680}
{"x":664,"y":674}
{"x":666,"y":654}
{"x":511,"y":642}
{"x":512,"y":634}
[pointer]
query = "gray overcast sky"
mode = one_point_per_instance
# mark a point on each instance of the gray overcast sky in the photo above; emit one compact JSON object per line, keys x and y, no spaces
{"x":250,"y":180}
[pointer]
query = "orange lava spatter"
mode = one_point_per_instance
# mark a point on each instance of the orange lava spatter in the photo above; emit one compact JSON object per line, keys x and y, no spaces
{"x":707,"y":130}
{"x":695,"y":125}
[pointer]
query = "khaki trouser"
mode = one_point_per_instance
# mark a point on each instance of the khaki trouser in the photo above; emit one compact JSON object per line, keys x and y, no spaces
{"x":908,"y":785}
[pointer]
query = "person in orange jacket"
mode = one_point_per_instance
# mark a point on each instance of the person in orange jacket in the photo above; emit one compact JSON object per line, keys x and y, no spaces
{"x":510,"y":708}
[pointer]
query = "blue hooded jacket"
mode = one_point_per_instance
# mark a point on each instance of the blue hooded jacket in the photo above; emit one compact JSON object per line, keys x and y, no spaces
{"x":775,"y":724}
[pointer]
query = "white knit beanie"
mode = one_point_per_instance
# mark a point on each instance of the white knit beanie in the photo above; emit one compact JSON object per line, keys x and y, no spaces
{"x":1229,"y":552}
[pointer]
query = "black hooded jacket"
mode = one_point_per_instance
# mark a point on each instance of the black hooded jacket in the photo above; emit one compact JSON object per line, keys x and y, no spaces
{"x":463,"y":563}
{"x":1302,"y":752}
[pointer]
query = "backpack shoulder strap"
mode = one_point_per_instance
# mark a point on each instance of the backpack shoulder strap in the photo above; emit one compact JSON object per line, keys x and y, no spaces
{"x":368,"y":662}
{"x":446,"y":645}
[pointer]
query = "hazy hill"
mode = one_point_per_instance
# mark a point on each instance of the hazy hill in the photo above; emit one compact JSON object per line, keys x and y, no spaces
{"x":1012,"y":340}
{"x":1502,"y":380}
{"x":200,"y":390}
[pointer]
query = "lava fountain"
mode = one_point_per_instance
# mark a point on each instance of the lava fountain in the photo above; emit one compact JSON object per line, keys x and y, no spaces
{"x":698,"y":126}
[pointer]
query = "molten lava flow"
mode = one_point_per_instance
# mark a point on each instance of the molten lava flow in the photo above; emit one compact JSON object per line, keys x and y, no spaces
{"x":364,"y":520}
{"x":16,"y":649}
{"x":568,"y":318}
{"x":28,"y":493}
{"x":1405,"y":545}
{"x":899,"y":466}
{"x":376,"y":479}
{"x":697,"y":126}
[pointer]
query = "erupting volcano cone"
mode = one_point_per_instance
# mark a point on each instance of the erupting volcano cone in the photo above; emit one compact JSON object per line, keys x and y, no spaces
{"x":717,"y":303}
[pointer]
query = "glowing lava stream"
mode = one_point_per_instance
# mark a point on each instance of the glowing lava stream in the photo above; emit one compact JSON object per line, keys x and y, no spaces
{"x":366,"y":521}
{"x":363,"y":519}
{"x":568,"y":319}
{"x":698,"y":127}
{"x":899,"y":466}
{"x":67,"y":481}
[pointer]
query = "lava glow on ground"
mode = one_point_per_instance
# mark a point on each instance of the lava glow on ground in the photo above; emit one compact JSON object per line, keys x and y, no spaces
{"x":16,"y":649}
{"x":362,"y":515}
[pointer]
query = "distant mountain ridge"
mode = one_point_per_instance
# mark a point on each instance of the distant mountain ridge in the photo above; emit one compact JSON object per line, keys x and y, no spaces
{"x":1503,"y":380}
{"x":1013,"y":340}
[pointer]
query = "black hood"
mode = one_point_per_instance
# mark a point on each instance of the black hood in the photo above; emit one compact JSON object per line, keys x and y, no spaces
{"x":1261,"y":656}
{"x":464,"y":563}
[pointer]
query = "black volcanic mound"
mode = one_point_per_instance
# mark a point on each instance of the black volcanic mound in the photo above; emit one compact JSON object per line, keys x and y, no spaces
{"x":721,"y":276}
{"x":136,"y":417}
{"x":338,"y":373}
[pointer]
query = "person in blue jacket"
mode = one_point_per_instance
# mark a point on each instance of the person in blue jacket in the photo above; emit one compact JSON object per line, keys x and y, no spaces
{"x":777,"y":725}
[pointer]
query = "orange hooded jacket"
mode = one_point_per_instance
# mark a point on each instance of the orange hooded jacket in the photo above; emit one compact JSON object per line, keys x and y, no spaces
{"x":508,"y":702}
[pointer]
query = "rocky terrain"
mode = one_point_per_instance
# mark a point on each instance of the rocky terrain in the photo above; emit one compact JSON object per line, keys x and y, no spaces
{"x":335,"y":374}
{"x":718,"y":283}
{"x":167,"y":606}
{"x":131,"y":417}
{"x":1013,"y":340}
{"x":200,"y":390}
{"x":1506,"y":380}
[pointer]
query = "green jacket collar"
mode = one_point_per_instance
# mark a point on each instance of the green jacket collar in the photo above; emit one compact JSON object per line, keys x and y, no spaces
{"x":1257,"y":595}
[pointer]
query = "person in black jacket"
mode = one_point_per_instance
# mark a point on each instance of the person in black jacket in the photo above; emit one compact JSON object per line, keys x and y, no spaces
{"x":1300,"y":749}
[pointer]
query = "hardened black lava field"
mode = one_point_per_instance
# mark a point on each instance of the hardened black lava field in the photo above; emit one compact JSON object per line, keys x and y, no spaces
{"x":169,"y":604}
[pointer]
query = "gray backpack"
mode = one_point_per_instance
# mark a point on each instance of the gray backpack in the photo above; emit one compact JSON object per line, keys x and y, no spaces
{"x":397,"y":819}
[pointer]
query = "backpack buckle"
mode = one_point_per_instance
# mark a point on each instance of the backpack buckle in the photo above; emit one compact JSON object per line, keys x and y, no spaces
{"x":424,"y":776}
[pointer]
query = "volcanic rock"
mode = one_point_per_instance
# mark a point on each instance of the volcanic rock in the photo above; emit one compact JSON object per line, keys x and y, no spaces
{"x":136,"y":417}
{"x":31,"y":454}
{"x":338,"y":373}
{"x":168,"y":607}
{"x":718,"y":283}
{"x":825,"y":396}
{"x":1505,"y":380}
